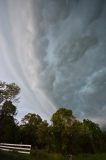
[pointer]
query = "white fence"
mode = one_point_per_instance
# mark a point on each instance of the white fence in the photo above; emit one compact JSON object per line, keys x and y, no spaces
{"x":21,"y":148}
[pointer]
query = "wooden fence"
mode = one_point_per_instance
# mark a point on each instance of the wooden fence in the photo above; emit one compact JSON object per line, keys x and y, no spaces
{"x":21,"y":148}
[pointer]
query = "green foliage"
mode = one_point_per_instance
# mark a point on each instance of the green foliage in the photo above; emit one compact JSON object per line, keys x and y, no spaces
{"x":43,"y":134}
{"x":94,"y":133}
{"x":65,"y":135}
{"x":34,"y":131}
{"x":8,"y":125}
{"x":63,"y":120}
{"x":8,"y":109}
{"x":8,"y":91}
{"x":62,"y":117}
{"x":31,"y":119}
{"x":28,"y":129}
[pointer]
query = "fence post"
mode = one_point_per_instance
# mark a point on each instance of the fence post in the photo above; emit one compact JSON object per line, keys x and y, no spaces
{"x":71,"y":157}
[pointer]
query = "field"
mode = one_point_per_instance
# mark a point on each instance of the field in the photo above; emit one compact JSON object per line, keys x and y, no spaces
{"x":90,"y":157}
{"x":41,"y":155}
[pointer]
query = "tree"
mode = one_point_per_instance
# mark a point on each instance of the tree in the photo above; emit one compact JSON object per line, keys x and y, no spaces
{"x":8,"y":92}
{"x":8,"y":125}
{"x":43,"y":135}
{"x":63,"y":117}
{"x":8,"y":109}
{"x":62,"y":120}
{"x":31,"y":119}
{"x":28,"y":129}
{"x":94,"y":133}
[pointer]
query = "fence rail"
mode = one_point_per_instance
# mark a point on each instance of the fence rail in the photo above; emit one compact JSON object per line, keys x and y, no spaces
{"x":21,"y":148}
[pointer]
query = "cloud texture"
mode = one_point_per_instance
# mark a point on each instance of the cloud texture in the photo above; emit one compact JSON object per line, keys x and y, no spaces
{"x":55,"y":50}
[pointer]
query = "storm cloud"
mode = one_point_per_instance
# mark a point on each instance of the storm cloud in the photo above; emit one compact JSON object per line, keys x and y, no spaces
{"x":55,"y":50}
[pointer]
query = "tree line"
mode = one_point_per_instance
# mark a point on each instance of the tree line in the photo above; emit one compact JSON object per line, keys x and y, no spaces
{"x":66,"y":134}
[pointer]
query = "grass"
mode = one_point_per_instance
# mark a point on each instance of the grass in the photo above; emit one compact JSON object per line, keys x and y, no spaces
{"x":13,"y":156}
{"x":35,"y":155}
{"x":90,"y":157}
{"x":42,"y":155}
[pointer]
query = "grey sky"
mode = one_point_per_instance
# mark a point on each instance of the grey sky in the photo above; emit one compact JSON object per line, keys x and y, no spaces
{"x":55,"y":51}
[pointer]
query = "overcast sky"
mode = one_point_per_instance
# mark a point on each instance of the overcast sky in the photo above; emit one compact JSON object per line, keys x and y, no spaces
{"x":55,"y":50}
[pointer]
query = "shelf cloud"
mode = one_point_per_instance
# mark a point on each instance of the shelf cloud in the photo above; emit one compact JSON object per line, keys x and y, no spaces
{"x":55,"y":51}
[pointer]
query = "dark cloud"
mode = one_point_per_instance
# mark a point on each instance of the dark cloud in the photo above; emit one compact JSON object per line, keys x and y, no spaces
{"x":73,"y":53}
{"x":58,"y":49}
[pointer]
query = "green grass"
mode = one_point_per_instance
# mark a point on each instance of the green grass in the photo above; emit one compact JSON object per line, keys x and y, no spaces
{"x":12,"y":156}
{"x":90,"y":157}
{"x":35,"y":155}
{"x":42,"y":155}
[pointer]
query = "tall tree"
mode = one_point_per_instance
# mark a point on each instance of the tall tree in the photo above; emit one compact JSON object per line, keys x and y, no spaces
{"x":43,"y":135}
{"x":63,"y":117}
{"x":8,"y":109}
{"x":94,"y":133}
{"x":28,"y":129}
{"x":62,"y":120}
{"x":8,"y":125}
